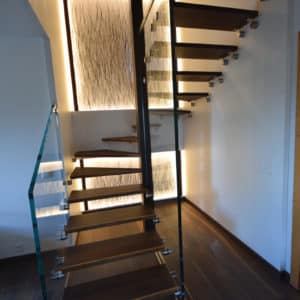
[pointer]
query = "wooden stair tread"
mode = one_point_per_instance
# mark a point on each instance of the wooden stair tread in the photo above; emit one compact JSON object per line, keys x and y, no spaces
{"x":142,"y":284}
{"x":191,"y":96}
{"x":103,"y":193}
{"x":197,"y":76}
{"x":192,"y":50}
{"x":203,"y":51}
{"x":97,"y":172}
{"x":166,"y":111}
{"x":211,"y":17}
{"x":106,"y":251}
{"x":108,"y":217}
{"x":105,"y":153}
{"x":180,"y":96}
{"x":122,"y":139}
{"x":183,"y":75}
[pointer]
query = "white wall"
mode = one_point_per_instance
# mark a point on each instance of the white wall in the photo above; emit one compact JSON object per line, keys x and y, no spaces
{"x":51,"y":15}
{"x":25,"y":101}
{"x":235,"y":147}
{"x":101,"y":124}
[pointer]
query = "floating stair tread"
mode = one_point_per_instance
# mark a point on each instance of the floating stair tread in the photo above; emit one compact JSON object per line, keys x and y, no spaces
{"x":183,"y":75}
{"x":110,"y":217}
{"x":122,"y":139}
{"x":103,"y":193}
{"x":192,"y":50}
{"x":106,"y":251}
{"x":97,"y":172}
{"x":140,"y":285}
{"x":211,"y":17}
{"x":197,"y":76}
{"x":169,"y":111}
{"x":191,"y":96}
{"x":180,"y":96}
{"x":203,"y":51}
{"x":105,"y":153}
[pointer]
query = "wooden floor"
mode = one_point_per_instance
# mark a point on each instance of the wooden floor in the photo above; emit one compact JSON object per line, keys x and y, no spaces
{"x":216,"y":266}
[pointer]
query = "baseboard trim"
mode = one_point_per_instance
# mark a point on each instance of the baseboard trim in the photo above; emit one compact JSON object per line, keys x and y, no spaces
{"x":283,"y":275}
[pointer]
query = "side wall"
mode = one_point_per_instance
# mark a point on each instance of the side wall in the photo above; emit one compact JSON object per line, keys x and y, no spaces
{"x":235,"y":147}
{"x":24,"y":106}
{"x":51,"y":16}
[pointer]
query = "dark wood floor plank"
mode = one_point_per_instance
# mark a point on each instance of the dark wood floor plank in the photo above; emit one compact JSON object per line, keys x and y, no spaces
{"x":144,"y":284}
{"x":202,"y":238}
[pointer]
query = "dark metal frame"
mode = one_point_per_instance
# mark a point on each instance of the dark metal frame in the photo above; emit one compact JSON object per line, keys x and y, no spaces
{"x":138,"y":25}
{"x":71,"y":56}
{"x":142,"y":105}
{"x":177,"y":146}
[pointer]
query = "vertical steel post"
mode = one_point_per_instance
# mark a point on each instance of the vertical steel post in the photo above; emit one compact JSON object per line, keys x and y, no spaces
{"x":177,"y":146}
{"x":142,"y":105}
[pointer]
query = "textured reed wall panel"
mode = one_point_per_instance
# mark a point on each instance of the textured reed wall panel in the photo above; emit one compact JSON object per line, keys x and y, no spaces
{"x":164,"y":177}
{"x":102,"y":41}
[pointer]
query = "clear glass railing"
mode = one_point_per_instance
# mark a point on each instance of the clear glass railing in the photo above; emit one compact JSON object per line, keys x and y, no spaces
{"x":49,"y":211}
{"x":165,"y":126}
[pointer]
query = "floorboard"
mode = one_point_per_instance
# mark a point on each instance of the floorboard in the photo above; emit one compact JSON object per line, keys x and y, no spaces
{"x":217,"y":267}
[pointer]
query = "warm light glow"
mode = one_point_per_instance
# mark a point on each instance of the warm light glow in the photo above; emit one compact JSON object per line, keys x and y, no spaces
{"x":51,"y":166}
{"x":184,"y":172}
{"x":51,"y":211}
{"x":164,"y":177}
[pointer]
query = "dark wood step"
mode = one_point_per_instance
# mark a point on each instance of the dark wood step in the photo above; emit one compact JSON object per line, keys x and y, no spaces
{"x":105,"y":153}
{"x":107,"y":217}
{"x":122,"y":139}
{"x":87,"y":255}
{"x":184,"y":75}
{"x":165,"y":111}
{"x":140,"y":285}
{"x":197,"y":76}
{"x":180,"y":96}
{"x":203,"y":51}
{"x":97,"y":172}
{"x":211,"y":17}
{"x":192,"y":50}
{"x":191,"y":96}
{"x":103,"y":193}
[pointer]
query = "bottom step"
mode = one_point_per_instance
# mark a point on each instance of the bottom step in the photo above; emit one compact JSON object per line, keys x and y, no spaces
{"x":143,"y":284}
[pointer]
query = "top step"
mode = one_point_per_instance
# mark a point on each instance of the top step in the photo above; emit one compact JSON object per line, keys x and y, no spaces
{"x":211,"y":17}
{"x":104,"y":153}
{"x":122,"y":139}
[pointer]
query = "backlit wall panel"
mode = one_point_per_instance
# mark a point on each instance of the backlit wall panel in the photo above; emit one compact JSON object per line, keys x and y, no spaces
{"x":102,"y":41}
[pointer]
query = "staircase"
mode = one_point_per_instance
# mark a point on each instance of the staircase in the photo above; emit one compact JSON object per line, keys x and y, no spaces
{"x":154,"y":282}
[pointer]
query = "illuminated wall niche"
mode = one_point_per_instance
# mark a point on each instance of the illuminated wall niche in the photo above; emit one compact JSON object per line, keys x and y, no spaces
{"x":103,"y":60}
{"x":102,"y":44}
{"x":163,"y":173}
